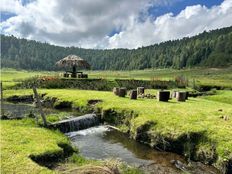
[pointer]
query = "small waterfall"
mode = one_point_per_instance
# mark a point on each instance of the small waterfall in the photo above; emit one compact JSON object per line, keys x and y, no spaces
{"x":77,"y":123}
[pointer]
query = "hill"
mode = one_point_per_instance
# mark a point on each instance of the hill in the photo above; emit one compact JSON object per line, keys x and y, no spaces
{"x":208,"y":49}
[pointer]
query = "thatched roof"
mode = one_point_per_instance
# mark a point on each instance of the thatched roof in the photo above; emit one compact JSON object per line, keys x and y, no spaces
{"x":73,"y":60}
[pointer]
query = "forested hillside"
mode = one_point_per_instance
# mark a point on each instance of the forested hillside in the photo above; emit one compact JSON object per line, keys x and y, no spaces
{"x":211,"y":49}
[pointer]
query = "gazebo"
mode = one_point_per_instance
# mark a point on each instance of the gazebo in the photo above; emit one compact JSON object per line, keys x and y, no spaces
{"x":74,"y":62}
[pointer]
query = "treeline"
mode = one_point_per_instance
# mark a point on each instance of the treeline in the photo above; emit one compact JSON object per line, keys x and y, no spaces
{"x":210,"y":49}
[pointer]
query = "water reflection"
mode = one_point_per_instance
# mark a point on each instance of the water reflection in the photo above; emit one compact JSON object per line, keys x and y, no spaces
{"x":102,"y":143}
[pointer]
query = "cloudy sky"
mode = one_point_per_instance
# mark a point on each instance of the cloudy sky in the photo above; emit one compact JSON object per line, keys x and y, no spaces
{"x":111,"y":23}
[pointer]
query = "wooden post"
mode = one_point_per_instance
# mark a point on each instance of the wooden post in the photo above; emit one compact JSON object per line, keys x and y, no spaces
{"x":163,"y":96}
{"x":40,"y":106}
{"x":140,"y":90}
{"x":116,"y":90}
{"x":2,"y":112}
{"x":181,"y":96}
{"x":174,"y":94}
{"x":133,"y":94}
{"x":187,"y":94}
{"x":122,"y":92}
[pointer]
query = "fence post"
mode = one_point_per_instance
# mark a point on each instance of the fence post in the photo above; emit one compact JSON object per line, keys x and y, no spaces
{"x":2,"y":111}
{"x":40,"y":106}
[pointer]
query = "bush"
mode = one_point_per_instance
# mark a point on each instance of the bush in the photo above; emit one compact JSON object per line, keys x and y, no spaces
{"x":94,"y":84}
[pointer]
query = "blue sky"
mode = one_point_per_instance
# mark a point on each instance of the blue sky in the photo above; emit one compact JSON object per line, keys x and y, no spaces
{"x":177,"y":5}
{"x":112,"y":23}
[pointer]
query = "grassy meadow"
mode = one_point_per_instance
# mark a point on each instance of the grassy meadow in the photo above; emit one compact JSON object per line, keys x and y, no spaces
{"x":172,"y":119}
{"x":208,"y":76}
{"x":10,"y":77}
{"x":195,"y":115}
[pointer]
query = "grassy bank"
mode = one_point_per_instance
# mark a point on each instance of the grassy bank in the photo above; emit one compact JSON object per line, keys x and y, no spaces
{"x":222,"y":96}
{"x":172,"y":120}
{"x":22,"y":138}
{"x":23,"y":143}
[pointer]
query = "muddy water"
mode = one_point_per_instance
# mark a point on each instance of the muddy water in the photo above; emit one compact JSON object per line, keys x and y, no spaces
{"x":103,"y":143}
{"x":18,"y":110}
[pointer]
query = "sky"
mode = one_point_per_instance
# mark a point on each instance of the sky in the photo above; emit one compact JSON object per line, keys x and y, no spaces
{"x":107,"y":24}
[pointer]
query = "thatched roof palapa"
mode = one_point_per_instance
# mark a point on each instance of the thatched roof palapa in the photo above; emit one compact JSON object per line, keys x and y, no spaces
{"x":73,"y":60}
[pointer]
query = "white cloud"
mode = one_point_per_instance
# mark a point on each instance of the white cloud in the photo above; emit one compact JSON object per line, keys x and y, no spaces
{"x":87,"y":23}
{"x":11,"y":6}
{"x":189,"y":22}
{"x":62,"y":22}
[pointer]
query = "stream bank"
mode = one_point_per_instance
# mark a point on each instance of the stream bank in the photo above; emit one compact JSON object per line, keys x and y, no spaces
{"x":142,"y":133}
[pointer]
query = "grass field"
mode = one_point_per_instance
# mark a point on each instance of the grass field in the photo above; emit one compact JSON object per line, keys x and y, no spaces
{"x":172,"y":118}
{"x":222,"y":96}
{"x":10,"y":77}
{"x":19,"y":139}
{"x":206,"y":76}
{"x":210,"y":76}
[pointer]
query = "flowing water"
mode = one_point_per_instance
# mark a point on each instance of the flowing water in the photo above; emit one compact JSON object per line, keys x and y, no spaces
{"x":102,"y":142}
{"x":18,"y":110}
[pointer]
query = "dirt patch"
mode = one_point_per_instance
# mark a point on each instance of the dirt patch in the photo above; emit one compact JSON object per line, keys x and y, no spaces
{"x":91,"y":169}
{"x":142,"y":135}
{"x":63,"y":105}
{"x":24,"y":98}
{"x":93,"y":102}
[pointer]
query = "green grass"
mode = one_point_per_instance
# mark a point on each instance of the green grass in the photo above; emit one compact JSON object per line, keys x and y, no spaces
{"x":21,"y":138}
{"x":222,"y":96}
{"x":10,"y":77}
{"x":175,"y":118}
{"x":206,"y":76}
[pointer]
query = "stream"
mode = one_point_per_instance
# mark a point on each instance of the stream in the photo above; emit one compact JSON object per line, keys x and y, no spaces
{"x":103,"y":142}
